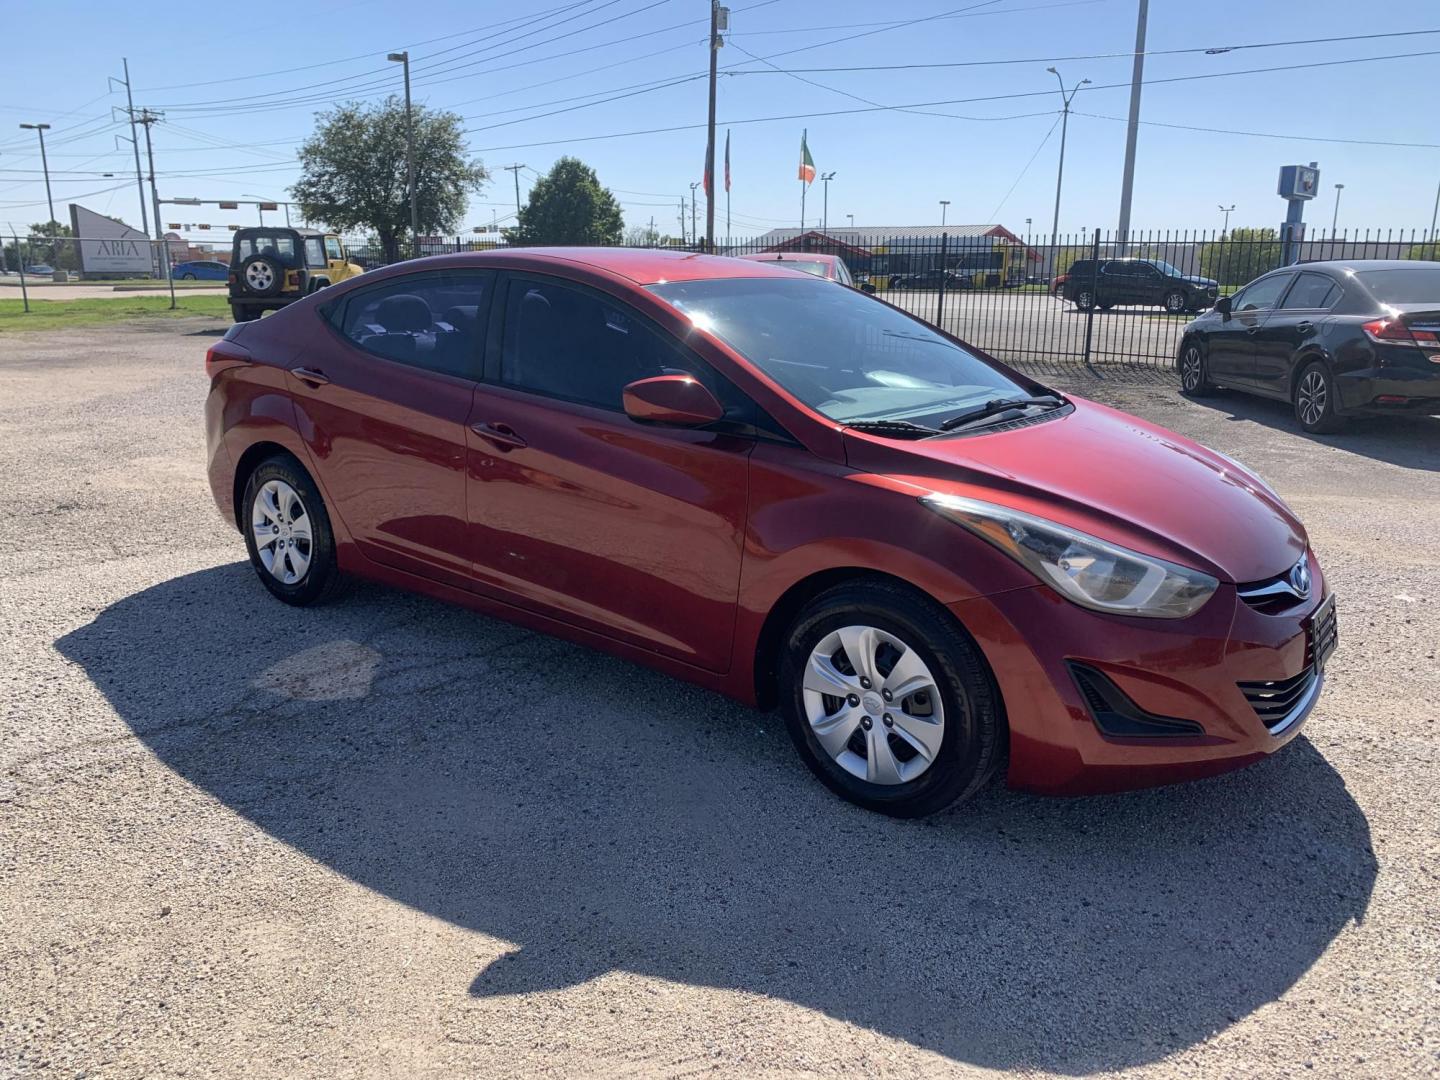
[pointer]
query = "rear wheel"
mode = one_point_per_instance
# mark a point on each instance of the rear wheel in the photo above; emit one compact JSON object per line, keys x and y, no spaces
{"x":187,"y":277}
{"x":889,"y":702}
{"x":1315,"y":400}
{"x":287,"y":533}
{"x":241,"y":313}
{"x":1085,"y":299}
{"x":1194,"y":371}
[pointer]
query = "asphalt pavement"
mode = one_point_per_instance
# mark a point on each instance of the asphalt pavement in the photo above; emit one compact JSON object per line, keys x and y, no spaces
{"x":389,"y":837}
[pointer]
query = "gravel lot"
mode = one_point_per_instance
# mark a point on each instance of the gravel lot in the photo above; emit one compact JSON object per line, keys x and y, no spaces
{"x":393,"y":838}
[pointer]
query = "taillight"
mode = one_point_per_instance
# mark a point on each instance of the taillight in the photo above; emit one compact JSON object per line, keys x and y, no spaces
{"x":1399,"y":332}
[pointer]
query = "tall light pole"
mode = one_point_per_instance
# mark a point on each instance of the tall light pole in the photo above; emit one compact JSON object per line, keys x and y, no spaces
{"x":825,"y":179}
{"x":944,"y":206}
{"x":694,"y":224}
{"x":852,"y":220}
{"x":719,"y":20}
{"x":1027,"y":225}
{"x":404,"y":58}
{"x":1137,"y":79}
{"x":40,"y":130}
{"x":1335,"y":217}
{"x":1435,"y":214}
{"x":1065,"y":97}
{"x":1227,"y":211}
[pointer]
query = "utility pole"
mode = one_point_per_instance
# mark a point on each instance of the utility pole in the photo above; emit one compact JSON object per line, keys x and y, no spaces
{"x":1435,"y":214}
{"x":1227,"y":211}
{"x":1335,"y":217}
{"x":719,"y":20}
{"x":944,"y":206}
{"x":40,"y":130}
{"x":1137,"y":74}
{"x":135,"y":146}
{"x":1060,"y":174}
{"x":694,"y":224}
{"x":516,"y":170}
{"x":404,"y":58}
{"x":145,"y":119}
{"x":825,"y":179}
{"x":683,"y":240}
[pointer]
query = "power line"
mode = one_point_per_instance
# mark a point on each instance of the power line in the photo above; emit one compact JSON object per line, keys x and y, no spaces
{"x":1270,"y":134}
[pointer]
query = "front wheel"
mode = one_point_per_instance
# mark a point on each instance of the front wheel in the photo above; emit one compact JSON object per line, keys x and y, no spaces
{"x":1194,"y":371}
{"x":889,"y":701}
{"x":287,"y":533}
{"x":1315,"y":400}
{"x":1176,"y":302}
{"x":187,"y":277}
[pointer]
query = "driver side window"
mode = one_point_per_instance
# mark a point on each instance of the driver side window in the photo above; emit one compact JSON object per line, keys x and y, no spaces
{"x":1261,"y":295}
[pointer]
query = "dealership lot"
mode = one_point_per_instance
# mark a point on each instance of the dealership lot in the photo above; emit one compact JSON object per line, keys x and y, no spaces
{"x":392,"y":837}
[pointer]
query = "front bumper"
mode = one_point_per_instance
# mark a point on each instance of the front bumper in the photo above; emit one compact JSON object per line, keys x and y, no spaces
{"x":1197,"y":670}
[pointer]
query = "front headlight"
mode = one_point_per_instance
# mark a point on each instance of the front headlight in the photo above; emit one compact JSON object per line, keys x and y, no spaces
{"x":1085,"y":569}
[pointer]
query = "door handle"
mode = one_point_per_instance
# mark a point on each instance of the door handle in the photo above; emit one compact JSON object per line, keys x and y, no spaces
{"x":1306,"y":327}
{"x":310,"y":377}
{"x":502,"y":435}
{"x":1253,"y":329}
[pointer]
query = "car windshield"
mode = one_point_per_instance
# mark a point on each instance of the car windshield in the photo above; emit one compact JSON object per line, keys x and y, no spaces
{"x":1411,"y":285}
{"x":842,"y":353}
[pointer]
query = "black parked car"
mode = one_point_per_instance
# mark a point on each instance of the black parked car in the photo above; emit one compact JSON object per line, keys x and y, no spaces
{"x":1335,"y":338}
{"x":929,"y":279}
{"x":1145,"y":282}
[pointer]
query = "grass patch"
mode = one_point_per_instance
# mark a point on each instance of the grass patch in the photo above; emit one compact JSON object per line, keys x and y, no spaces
{"x":64,"y":314}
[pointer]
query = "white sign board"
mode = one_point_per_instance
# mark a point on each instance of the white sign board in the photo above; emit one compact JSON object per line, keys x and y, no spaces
{"x":109,"y":246}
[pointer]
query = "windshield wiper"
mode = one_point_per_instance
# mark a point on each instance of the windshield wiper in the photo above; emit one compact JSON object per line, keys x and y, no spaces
{"x":902,"y":428}
{"x":996,"y":406}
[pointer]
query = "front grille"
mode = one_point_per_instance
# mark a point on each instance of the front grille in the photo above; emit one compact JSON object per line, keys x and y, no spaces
{"x":1275,"y":594}
{"x":1276,"y":703}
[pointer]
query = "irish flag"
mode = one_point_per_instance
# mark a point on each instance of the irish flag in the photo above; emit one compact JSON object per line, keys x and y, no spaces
{"x":807,"y":163}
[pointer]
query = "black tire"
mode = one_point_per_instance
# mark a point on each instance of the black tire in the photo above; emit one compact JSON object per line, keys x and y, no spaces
{"x":321,"y":580}
{"x":1084,"y":299}
{"x":1314,"y":400}
{"x":1176,"y":302}
{"x":260,"y":275}
{"x":243,"y":314}
{"x":187,"y":277}
{"x":1194,"y":368}
{"x":974,"y":739}
{"x":1106,"y":307}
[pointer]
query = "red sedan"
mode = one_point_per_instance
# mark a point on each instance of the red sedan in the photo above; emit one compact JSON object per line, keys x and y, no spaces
{"x":790,"y":493}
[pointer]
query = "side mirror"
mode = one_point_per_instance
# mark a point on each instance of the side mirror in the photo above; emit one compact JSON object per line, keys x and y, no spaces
{"x":867,"y":288}
{"x":1223,"y":306}
{"x":679,"y":400}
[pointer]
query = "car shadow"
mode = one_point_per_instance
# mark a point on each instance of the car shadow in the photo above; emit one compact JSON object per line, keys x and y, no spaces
{"x":1409,"y":441}
{"x":602,"y":817}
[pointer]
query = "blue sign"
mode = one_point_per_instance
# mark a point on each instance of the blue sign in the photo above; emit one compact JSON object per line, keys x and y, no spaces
{"x":1298,"y":181}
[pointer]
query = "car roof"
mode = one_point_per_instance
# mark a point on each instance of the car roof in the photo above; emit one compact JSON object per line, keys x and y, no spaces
{"x":643,"y":266}
{"x":1340,"y":266}
{"x":283,"y":228}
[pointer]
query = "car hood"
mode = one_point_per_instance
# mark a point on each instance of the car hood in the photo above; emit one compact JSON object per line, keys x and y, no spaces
{"x":1114,"y":476}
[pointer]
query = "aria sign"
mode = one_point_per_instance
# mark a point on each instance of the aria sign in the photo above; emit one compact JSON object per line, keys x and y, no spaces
{"x":109,"y":246}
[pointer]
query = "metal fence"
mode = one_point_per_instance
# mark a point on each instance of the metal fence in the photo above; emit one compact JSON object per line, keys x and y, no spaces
{"x":1047,"y":304}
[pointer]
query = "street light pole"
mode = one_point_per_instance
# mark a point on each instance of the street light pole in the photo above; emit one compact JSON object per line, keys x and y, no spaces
{"x":404,"y":58}
{"x":852,"y":220}
{"x":40,"y":130}
{"x":1066,"y":98}
{"x":1226,"y":210}
{"x":1137,"y":79}
{"x":1335,"y":217}
{"x":719,"y":20}
{"x":825,"y":179}
{"x":1435,"y":214}
{"x":944,"y":206}
{"x":694,"y":224}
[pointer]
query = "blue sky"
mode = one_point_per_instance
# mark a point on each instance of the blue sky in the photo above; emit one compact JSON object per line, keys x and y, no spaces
{"x":992,"y":159}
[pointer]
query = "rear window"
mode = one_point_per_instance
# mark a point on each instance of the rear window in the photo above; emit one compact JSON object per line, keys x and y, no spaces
{"x":277,"y":245}
{"x":1417,"y":285}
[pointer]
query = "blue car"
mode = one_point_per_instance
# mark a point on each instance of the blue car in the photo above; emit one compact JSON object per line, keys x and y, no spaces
{"x":201,"y":270}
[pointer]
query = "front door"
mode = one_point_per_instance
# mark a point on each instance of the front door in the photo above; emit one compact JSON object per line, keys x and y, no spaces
{"x":583,"y":514}
{"x":383,"y":403}
{"x":1231,"y":344}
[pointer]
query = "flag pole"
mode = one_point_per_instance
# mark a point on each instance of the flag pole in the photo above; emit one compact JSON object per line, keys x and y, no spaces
{"x":804,"y":132}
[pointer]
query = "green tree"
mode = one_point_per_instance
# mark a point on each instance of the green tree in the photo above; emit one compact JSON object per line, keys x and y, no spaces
{"x":1241,"y":256}
{"x":60,"y":256}
{"x":1424,"y":251}
{"x":568,"y":206}
{"x":353,"y":171}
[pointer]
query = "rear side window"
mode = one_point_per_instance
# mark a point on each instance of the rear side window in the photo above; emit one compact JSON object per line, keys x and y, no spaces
{"x":314,"y":251}
{"x":1311,"y":291}
{"x":567,"y":343}
{"x":434,"y":321}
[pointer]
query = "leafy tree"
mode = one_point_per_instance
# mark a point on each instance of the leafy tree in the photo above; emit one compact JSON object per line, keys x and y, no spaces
{"x":1429,"y":251}
{"x":1241,"y":256}
{"x":353,"y":171}
{"x":60,"y":256}
{"x":568,"y":206}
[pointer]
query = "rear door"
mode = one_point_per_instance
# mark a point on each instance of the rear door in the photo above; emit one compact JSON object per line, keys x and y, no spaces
{"x":1231,"y":344}
{"x":383,"y":403}
{"x":1292,"y":325}
{"x":576,"y":511}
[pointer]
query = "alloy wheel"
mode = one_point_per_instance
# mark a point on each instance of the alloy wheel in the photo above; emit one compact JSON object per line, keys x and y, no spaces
{"x":284,"y":539}
{"x":1192,"y":368}
{"x":873,"y":705}
{"x":1311,"y":399}
{"x":259,"y":276}
{"x":1175,"y":303}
